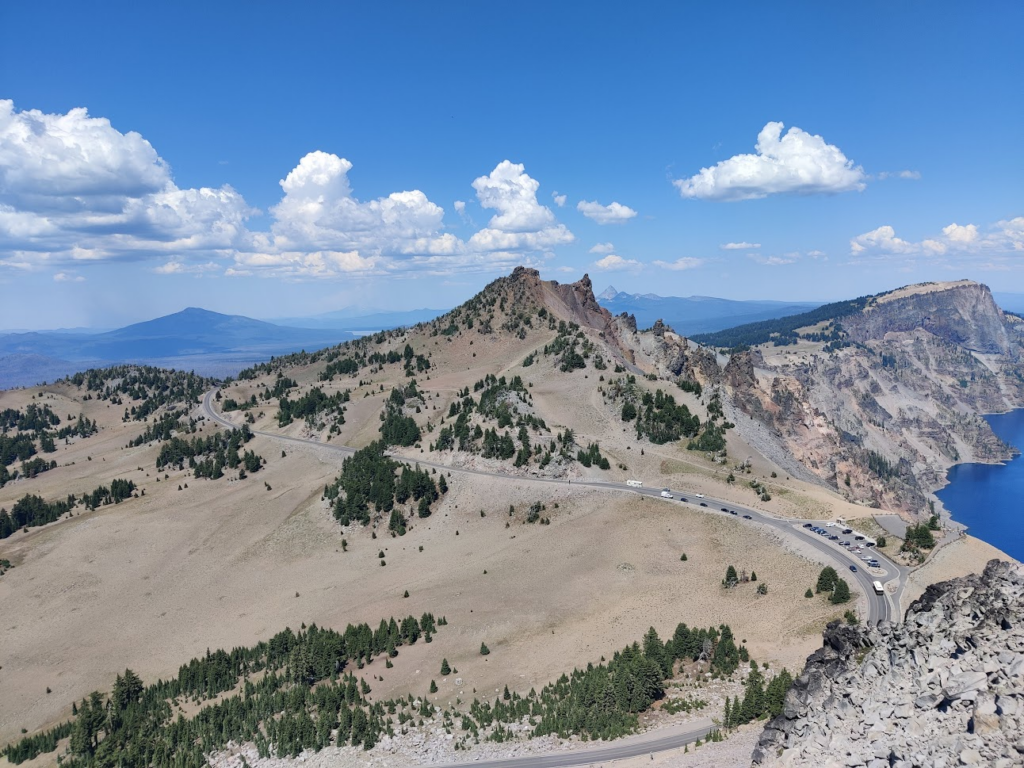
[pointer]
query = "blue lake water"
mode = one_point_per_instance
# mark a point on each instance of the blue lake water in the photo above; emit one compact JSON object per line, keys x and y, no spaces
{"x":989,"y":498}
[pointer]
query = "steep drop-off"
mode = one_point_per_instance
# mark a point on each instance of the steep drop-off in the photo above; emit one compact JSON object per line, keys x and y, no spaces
{"x":946,"y":687}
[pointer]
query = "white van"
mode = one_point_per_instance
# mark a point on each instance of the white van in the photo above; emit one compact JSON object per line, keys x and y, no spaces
{"x":665,"y":494}
{"x":635,"y":483}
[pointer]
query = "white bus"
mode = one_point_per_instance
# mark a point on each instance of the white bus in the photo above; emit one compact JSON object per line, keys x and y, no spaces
{"x":635,"y":483}
{"x":878,"y":587}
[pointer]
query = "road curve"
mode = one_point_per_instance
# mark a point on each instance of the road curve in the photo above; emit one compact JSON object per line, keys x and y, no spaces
{"x":596,"y":755}
{"x":880,"y":607}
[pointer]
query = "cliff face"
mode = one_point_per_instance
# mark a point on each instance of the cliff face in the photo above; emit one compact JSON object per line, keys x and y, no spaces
{"x":946,"y":687}
{"x":963,"y":314}
{"x":882,"y":418}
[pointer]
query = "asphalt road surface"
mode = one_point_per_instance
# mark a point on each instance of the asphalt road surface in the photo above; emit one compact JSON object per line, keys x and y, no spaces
{"x":599,"y":755}
{"x":880,"y":607}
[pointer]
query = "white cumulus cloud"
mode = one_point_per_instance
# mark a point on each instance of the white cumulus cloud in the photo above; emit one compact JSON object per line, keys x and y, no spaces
{"x":1003,"y":237}
{"x":520,"y":223}
{"x":559,"y":199}
{"x":613,"y":263}
{"x":797,"y":163}
{"x":66,"y":277}
{"x":613,"y":213}
{"x":603,"y":248}
{"x":681,"y":264}
{"x":739,"y":246}
{"x":74,"y":189}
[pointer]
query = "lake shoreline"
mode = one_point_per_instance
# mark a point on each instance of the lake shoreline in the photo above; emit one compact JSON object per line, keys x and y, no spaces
{"x":983,"y":496}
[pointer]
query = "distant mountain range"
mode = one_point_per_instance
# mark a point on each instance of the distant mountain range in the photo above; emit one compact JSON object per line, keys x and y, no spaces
{"x":696,"y":314}
{"x":1010,"y":302}
{"x":353,"y":320}
{"x":215,"y":344}
{"x":197,"y":339}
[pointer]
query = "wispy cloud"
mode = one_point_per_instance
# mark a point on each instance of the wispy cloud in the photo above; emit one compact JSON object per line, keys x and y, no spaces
{"x":681,"y":264}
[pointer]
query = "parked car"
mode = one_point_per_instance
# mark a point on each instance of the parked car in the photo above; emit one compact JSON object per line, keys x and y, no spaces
{"x":847,"y":530}
{"x":833,"y":537}
{"x":808,"y":525}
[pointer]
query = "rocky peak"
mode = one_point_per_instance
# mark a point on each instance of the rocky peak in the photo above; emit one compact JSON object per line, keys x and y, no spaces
{"x":946,"y":687}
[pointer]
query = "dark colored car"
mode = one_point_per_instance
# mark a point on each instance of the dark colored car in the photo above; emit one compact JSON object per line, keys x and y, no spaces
{"x":847,"y":530}
{"x":808,"y":525}
{"x":724,"y":509}
{"x":859,"y":538}
{"x":833,"y":537}
{"x":703,"y":504}
{"x":853,"y":568}
{"x":732,"y":511}
{"x":683,"y":498}
{"x":869,"y":543}
{"x":747,"y":517}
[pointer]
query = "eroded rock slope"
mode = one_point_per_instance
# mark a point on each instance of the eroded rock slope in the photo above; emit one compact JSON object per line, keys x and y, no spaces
{"x":944,"y":688}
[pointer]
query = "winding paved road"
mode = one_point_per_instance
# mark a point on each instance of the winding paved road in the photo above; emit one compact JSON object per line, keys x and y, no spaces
{"x":880,"y":607}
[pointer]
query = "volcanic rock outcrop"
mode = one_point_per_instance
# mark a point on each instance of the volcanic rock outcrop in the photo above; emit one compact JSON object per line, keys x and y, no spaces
{"x":944,"y":688}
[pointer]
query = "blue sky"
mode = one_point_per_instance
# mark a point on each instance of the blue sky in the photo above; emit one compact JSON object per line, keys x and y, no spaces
{"x":279,"y":160}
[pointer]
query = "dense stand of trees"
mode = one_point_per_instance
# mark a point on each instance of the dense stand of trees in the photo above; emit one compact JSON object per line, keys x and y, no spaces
{"x":21,"y":430}
{"x":396,"y":428}
{"x":313,"y":405}
{"x":209,"y":456}
{"x":830,"y":581}
{"x":782,"y":331}
{"x":919,"y":537}
{"x":291,"y":693}
{"x":118,"y":491}
{"x":148,"y":388}
{"x":35,"y":418}
{"x":603,"y":701}
{"x":662,"y":420}
{"x":165,"y":427}
{"x":759,"y":701}
{"x":371,"y":483}
{"x":31,"y":510}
